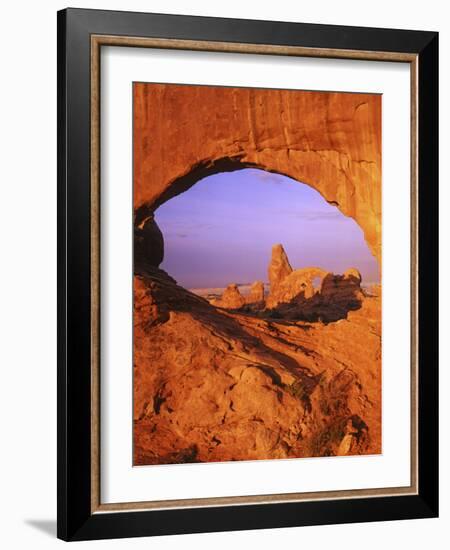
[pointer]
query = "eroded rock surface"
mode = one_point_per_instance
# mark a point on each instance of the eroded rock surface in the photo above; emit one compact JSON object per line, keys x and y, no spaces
{"x":279,"y":267}
{"x":298,"y":285}
{"x":256,"y":295}
{"x":213,"y":385}
{"x":231,"y":298}
{"x":342,"y":290}
{"x":148,"y":243}
{"x":311,"y":293}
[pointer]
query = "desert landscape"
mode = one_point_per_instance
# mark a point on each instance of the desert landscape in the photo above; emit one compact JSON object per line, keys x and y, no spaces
{"x":286,"y":366}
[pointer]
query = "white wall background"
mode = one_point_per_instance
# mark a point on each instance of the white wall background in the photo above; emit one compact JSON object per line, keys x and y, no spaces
{"x":28,"y":271}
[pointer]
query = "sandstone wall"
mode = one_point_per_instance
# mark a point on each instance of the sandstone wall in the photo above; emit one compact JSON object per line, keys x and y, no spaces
{"x":331,"y":141}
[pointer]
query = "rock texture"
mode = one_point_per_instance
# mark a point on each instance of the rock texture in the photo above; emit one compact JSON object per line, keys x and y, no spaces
{"x":256,"y":295}
{"x":231,"y":298}
{"x":214,"y":385}
{"x":331,"y":141}
{"x":311,"y":293}
{"x":342,"y":290}
{"x":295,"y":285}
{"x":279,"y":267}
{"x":148,"y":243}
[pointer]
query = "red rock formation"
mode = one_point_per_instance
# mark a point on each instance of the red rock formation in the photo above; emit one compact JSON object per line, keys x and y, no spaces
{"x":293,"y":293}
{"x":148,"y":243}
{"x":331,"y":141}
{"x":342,"y":290}
{"x":279,"y":267}
{"x":212,"y":385}
{"x":286,"y":284}
{"x":256,"y":295}
{"x":231,"y":298}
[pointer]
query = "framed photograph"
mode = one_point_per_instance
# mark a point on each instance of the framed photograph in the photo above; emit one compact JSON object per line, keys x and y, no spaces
{"x":247,"y":256}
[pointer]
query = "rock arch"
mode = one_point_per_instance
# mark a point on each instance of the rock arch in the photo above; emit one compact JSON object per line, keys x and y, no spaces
{"x":330,"y":141}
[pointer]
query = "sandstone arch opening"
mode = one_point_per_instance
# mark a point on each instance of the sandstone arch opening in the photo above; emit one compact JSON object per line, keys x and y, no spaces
{"x":144,"y":214}
{"x":222,"y":230}
{"x":219,"y":231}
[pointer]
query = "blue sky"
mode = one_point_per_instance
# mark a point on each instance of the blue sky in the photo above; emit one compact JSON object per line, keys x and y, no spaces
{"x":222,"y":230}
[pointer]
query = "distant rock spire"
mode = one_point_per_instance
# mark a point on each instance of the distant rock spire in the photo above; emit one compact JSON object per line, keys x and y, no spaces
{"x":279,"y":267}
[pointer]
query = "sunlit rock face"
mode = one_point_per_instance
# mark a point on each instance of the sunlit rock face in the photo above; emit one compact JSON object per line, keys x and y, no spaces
{"x":279,"y":267}
{"x":231,"y":298}
{"x":311,"y":293}
{"x":331,"y":141}
{"x":256,"y":295}
{"x":287,"y":285}
{"x":342,"y":290}
{"x":212,"y":384}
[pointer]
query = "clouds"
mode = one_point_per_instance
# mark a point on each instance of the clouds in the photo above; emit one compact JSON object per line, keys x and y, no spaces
{"x":268,"y":177}
{"x":178,"y":228}
{"x":321,"y":216}
{"x":304,"y":214}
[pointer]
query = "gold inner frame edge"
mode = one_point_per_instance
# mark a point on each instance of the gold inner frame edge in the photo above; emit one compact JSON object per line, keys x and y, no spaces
{"x":195,"y":45}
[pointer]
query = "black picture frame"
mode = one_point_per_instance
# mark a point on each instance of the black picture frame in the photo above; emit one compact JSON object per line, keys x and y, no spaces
{"x":75,"y":518}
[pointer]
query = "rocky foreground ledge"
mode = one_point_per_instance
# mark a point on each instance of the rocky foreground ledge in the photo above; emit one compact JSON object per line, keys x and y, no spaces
{"x":213,"y":384}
